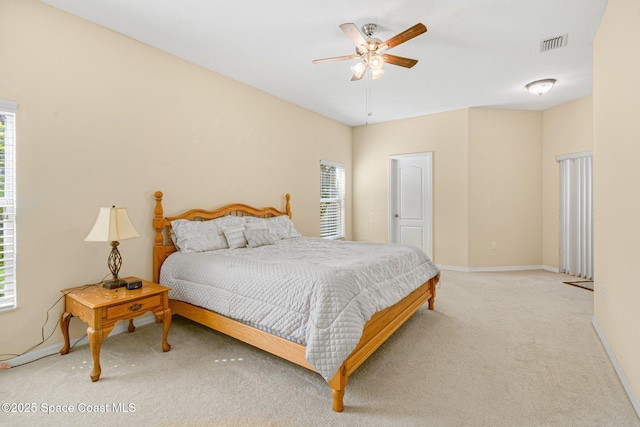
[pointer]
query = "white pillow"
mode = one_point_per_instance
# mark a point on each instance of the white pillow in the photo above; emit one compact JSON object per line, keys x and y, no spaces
{"x":235,"y":237}
{"x":196,"y":236}
{"x":257,"y":237}
{"x":281,"y":227}
{"x":256,"y":225}
{"x":228,"y":221}
{"x":255,"y":222}
{"x":174,"y":239}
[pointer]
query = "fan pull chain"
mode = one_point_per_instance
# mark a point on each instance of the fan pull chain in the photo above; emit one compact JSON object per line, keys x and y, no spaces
{"x":368,"y":97}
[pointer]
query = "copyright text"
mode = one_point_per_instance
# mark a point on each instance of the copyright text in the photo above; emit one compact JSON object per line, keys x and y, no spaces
{"x":47,"y":408}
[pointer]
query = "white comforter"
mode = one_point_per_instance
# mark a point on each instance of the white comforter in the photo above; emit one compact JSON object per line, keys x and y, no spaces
{"x":316,"y":291}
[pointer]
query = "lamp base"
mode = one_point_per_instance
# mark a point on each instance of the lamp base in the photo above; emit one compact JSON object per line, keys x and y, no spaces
{"x":114,"y":284}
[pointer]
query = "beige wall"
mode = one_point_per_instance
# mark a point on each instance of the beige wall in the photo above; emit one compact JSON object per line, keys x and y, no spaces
{"x":505,"y":188}
{"x":104,"y":120}
{"x":565,"y":129}
{"x":616,"y":150}
{"x":444,"y":134}
{"x":487,"y":184}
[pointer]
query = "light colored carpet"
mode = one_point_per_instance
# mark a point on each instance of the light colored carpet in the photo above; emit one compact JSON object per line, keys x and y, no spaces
{"x":501,"y":349}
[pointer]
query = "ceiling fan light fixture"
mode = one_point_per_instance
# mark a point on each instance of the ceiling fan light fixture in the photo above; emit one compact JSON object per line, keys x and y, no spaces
{"x":359,"y":68}
{"x":540,"y":87}
{"x":376,"y":73}
{"x":376,"y":62}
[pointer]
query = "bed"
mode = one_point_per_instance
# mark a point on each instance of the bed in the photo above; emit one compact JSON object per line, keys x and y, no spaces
{"x":321,"y":304}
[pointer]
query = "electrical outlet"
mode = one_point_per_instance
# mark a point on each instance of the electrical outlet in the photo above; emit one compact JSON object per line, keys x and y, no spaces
{"x":494,"y":246}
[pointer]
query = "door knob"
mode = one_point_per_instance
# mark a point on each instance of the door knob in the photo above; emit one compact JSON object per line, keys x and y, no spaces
{"x":396,"y":215}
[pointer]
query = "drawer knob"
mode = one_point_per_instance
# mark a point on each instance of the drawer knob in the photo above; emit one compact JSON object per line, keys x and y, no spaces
{"x":135,"y":307}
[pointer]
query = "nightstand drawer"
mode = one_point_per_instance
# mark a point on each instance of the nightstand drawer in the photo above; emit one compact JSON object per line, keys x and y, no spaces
{"x":134,"y":307}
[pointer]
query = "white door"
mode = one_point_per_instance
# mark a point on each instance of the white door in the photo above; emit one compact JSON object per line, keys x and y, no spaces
{"x":410,"y":200}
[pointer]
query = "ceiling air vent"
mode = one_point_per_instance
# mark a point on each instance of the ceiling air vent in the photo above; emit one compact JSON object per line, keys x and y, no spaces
{"x":554,"y":43}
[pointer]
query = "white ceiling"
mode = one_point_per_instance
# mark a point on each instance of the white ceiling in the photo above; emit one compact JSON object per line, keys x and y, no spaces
{"x":476,"y":53}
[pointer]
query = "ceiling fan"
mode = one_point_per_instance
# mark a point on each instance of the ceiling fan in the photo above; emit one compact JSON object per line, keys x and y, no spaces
{"x":371,"y":50}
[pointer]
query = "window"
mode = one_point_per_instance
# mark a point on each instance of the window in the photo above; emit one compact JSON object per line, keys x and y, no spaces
{"x":7,"y":204}
{"x":331,"y":200}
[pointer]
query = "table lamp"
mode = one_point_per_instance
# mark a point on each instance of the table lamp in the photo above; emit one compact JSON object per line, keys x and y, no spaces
{"x":112,"y":225}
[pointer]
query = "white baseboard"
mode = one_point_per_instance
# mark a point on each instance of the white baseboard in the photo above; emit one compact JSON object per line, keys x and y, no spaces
{"x":452,"y":267}
{"x":617,"y":367}
{"x":55,"y":348}
{"x":489,"y":269}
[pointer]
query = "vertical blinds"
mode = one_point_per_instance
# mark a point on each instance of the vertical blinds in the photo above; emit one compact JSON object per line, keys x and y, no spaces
{"x":331,"y":200}
{"x":576,"y":206}
{"x":7,"y":205}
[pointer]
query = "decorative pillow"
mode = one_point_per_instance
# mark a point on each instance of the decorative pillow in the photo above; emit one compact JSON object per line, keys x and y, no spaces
{"x":235,"y":237}
{"x":196,"y":236}
{"x":281,"y":227}
{"x":258,"y":237}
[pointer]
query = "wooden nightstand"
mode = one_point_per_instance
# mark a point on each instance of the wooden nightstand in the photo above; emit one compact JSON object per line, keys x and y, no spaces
{"x":101,"y":308}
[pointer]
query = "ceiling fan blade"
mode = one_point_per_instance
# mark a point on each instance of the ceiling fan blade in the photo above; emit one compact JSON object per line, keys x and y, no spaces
{"x":335,"y":58}
{"x":404,"y":36}
{"x":399,"y":60}
{"x":351,"y":30}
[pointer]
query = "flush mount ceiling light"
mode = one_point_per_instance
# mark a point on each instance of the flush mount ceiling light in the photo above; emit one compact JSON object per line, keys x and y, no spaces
{"x":540,"y":87}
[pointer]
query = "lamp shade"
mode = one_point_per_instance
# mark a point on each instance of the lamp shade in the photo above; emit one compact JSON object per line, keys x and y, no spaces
{"x":113,"y":224}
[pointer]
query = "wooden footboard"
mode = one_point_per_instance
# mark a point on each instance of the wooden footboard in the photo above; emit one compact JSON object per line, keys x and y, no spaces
{"x":376,"y":331}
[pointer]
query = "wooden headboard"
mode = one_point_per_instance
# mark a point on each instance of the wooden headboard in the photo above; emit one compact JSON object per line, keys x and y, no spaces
{"x":164,"y":246}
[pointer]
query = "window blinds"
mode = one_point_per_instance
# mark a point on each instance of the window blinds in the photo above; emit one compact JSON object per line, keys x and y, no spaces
{"x":7,"y":205}
{"x":331,"y":200}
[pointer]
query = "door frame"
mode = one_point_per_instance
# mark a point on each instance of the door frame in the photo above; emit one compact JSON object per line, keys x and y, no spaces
{"x":428,"y":198}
